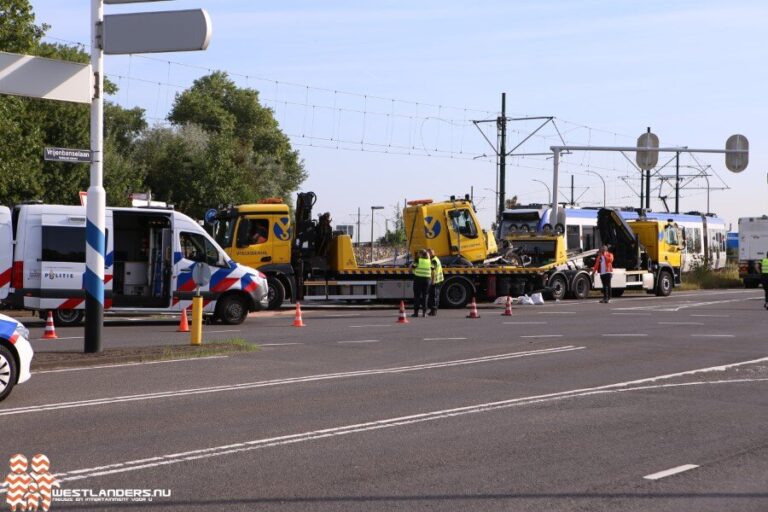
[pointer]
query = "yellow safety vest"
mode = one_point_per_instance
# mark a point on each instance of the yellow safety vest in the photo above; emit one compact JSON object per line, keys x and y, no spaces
{"x":439,"y":278}
{"x":764,"y":265}
{"x":423,"y":268}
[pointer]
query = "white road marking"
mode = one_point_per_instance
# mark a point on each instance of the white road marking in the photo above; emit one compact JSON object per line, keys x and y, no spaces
{"x":684,"y":305}
{"x":224,"y":330}
{"x":670,"y":472}
{"x":61,"y":338}
{"x":278,"y":382}
{"x":99,"y":367}
{"x":345,"y":315}
{"x":278,"y":344}
{"x":441,"y":339}
{"x":525,"y":323}
{"x":359,"y":341}
{"x":712,"y":335}
{"x":633,"y":314}
{"x":556,"y":313}
{"x":373,"y":325}
{"x":715,"y":316}
{"x":624,"y":335}
{"x":229,"y":449}
{"x":543,"y":336}
{"x":681,"y":323}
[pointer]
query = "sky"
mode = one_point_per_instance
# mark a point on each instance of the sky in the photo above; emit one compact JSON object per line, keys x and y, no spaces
{"x":380,"y":97}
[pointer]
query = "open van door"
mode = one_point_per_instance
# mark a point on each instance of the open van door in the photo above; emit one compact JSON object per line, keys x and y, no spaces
{"x":6,"y":251}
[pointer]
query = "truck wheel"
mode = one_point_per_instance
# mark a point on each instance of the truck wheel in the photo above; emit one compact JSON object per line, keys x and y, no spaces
{"x":232,"y":310}
{"x":7,"y":372}
{"x":454,"y":294}
{"x":559,"y":286}
{"x":68,"y":317}
{"x":276,"y":293}
{"x":751,"y":283}
{"x":665,"y":284}
{"x":580,"y":287}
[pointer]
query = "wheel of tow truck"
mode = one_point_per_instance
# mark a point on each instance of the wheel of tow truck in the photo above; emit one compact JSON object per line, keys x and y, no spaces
{"x":665,"y":284}
{"x":618,"y":292}
{"x":67,"y":317}
{"x":232,"y":310}
{"x":559,"y":229}
{"x":275,"y":293}
{"x":454,"y":294}
{"x":580,"y":287}
{"x":558,"y":285}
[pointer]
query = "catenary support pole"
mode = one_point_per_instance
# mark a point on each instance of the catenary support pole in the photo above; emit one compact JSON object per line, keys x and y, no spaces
{"x":677,"y":182}
{"x":555,"y":177}
{"x":502,"y":126}
{"x":95,"y":216}
{"x":648,"y":189}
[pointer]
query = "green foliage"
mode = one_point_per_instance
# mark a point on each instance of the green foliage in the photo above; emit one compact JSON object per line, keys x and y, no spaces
{"x":18,"y":32}
{"x":396,"y":236}
{"x":701,"y":277}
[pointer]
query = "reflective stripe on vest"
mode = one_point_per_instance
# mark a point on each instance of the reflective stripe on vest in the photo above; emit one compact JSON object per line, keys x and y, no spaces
{"x":764,"y":265}
{"x":439,"y":278}
{"x":423,"y":268}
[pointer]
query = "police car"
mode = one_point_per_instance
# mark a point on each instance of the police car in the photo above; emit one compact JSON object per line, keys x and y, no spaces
{"x":15,"y":355}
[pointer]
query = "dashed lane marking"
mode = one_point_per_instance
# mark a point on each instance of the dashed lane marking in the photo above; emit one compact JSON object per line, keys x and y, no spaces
{"x":223,"y":330}
{"x":714,"y":316}
{"x":712,"y":335}
{"x":372,"y":325}
{"x":278,"y":344}
{"x":359,"y":341}
{"x":670,"y":472}
{"x":525,"y":323}
{"x":442,"y":339}
{"x":633,"y":335}
{"x":556,"y":313}
{"x":681,"y":323}
{"x":279,"y":382}
{"x":543,"y":336}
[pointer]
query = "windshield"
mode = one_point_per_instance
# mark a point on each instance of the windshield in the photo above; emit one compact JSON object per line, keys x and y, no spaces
{"x":223,"y":231}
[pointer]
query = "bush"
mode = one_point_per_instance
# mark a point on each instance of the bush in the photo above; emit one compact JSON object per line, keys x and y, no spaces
{"x":701,"y":277}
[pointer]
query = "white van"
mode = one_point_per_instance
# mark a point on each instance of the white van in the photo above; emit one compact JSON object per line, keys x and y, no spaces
{"x":150,"y":253}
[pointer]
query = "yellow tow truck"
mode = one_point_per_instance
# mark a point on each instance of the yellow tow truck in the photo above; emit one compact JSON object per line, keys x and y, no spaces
{"x":305,"y":260}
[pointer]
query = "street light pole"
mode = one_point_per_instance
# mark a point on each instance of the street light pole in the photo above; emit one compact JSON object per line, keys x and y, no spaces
{"x":601,"y":179}
{"x":549,"y":192}
{"x":373,"y":208}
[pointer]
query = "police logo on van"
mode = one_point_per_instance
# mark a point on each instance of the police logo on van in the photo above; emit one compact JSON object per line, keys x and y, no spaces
{"x":432,"y":227}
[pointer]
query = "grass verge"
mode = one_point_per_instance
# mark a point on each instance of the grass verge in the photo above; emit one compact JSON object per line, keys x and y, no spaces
{"x":701,"y":278}
{"x":126,"y":355}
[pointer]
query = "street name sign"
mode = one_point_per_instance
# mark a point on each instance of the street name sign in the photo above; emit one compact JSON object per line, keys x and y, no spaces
{"x":78,"y":156}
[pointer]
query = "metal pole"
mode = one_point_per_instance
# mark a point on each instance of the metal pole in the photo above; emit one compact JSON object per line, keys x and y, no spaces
{"x":502,"y":124}
{"x":372,"y":210}
{"x":95,"y":215}
{"x":358,"y":226}
{"x":642,"y":189}
{"x":549,"y":192}
{"x":572,"y":201}
{"x":648,"y":189}
{"x":677,"y":182}
{"x":556,"y":171}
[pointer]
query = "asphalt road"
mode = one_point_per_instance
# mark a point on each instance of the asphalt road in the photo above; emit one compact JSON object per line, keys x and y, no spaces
{"x":643,"y":404}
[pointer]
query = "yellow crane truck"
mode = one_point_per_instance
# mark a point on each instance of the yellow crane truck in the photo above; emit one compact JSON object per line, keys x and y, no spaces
{"x":304,"y":260}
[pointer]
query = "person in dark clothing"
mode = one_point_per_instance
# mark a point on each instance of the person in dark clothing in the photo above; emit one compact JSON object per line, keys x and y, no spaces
{"x":422,"y":277}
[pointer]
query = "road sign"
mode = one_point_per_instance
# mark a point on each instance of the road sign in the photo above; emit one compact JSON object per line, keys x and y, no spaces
{"x":737,"y":162}
{"x":77,"y":156}
{"x":647,"y":159}
{"x":153,"y":32}
{"x":37,"y":77}
{"x":201,"y":274}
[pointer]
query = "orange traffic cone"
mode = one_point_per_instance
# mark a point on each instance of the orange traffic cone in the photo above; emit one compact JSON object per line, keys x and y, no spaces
{"x":50,"y":331}
{"x":298,"y":322}
{"x":473,"y":310}
{"x":508,"y":307}
{"x":402,"y":319}
{"x":184,"y":322}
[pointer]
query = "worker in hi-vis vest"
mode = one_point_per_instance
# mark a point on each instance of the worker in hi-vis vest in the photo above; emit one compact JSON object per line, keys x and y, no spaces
{"x":422,"y":277}
{"x":433,"y":296}
{"x":764,"y":273}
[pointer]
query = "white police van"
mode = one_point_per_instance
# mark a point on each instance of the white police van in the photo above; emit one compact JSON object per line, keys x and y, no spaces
{"x":149,"y":258}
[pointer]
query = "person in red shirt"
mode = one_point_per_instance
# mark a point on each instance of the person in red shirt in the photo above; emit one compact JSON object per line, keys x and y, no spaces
{"x":604,"y":266}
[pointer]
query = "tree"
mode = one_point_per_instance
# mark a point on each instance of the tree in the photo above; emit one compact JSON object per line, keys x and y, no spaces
{"x":259,"y":158}
{"x":18,"y":32}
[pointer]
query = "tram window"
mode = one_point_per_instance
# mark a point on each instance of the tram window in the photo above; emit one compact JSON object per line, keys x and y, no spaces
{"x":697,"y":240}
{"x":573,"y":239}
